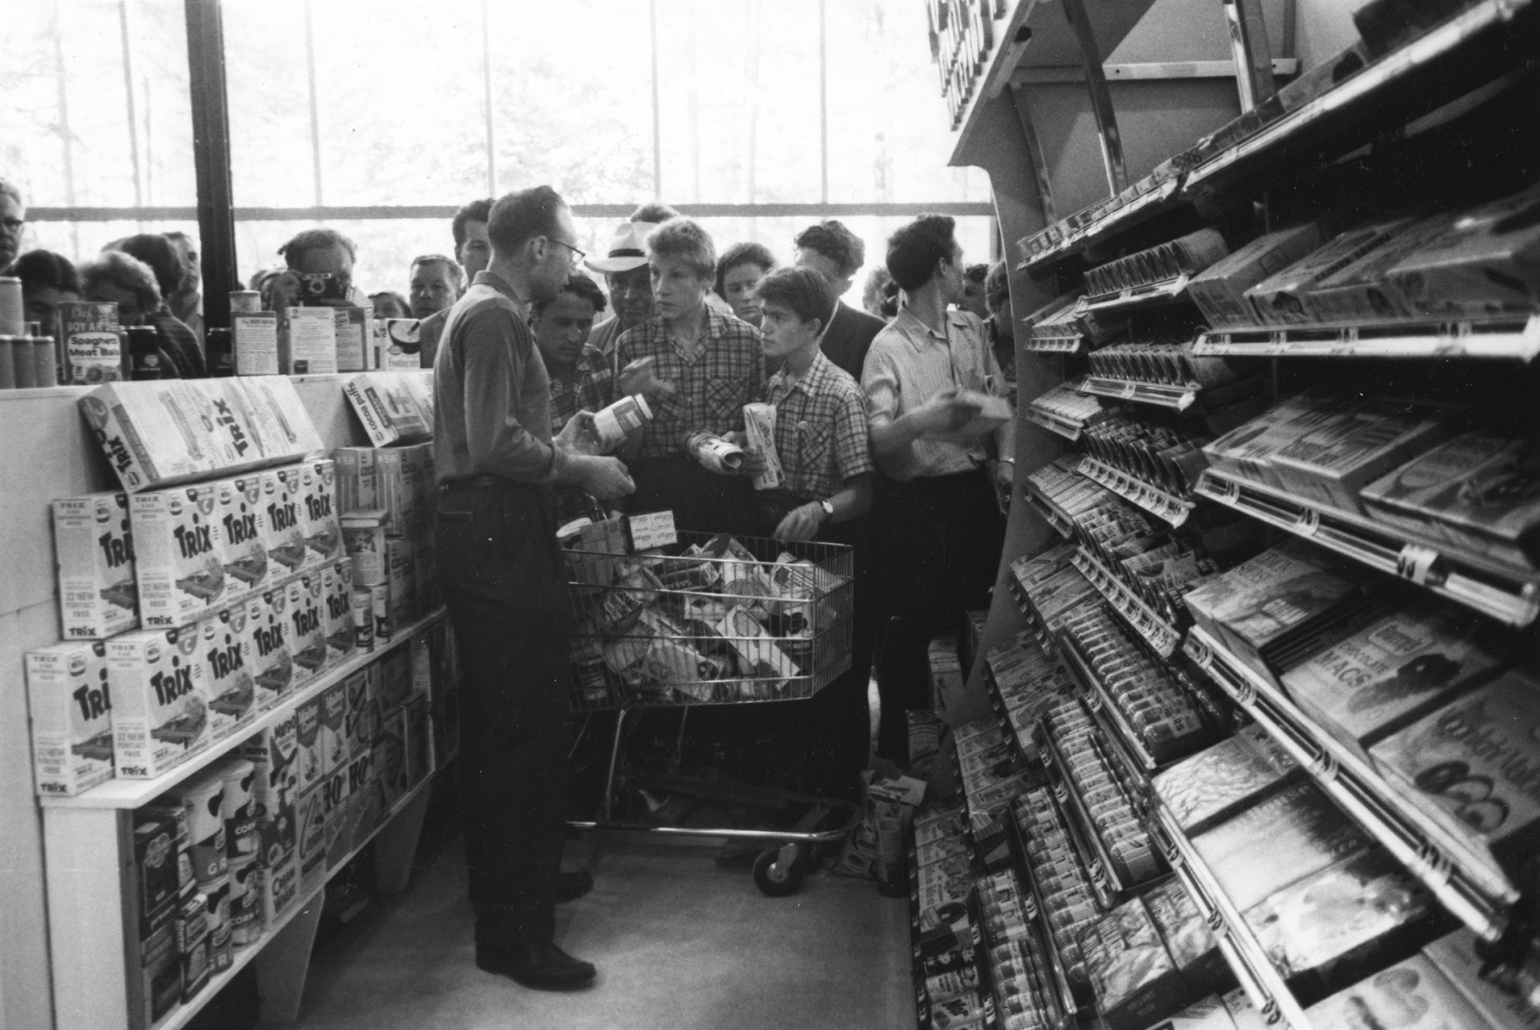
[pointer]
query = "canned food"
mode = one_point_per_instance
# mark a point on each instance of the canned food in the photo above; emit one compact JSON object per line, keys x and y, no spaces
{"x":12,"y":322}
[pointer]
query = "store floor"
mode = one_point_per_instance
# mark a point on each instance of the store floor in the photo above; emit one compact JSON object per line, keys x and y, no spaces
{"x":680,"y":942}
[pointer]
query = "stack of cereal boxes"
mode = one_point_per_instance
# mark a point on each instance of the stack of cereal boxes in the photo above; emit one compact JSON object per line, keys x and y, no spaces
{"x":387,"y":497}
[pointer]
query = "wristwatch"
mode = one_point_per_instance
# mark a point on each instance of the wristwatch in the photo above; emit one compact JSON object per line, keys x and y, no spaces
{"x":828,"y":508}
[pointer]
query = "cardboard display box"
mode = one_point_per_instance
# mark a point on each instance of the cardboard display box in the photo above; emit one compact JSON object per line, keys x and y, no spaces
{"x":159,"y":705}
{"x":94,"y":555}
{"x":70,"y":700}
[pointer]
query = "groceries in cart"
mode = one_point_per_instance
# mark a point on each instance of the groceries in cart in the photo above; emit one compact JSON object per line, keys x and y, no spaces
{"x":706,"y":620}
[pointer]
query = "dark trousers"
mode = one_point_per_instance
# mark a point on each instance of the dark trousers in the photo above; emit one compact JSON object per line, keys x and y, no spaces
{"x":702,"y":502}
{"x":502,"y":580}
{"x":936,"y":553}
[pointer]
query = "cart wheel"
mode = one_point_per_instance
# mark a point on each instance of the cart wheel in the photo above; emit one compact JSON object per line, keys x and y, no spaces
{"x":777,"y":879}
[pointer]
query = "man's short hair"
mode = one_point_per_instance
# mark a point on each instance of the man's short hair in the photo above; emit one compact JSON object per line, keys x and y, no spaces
{"x":579,"y":285}
{"x":976,"y":273}
{"x":519,"y":217}
{"x":162,"y":257}
{"x":45,"y":270}
{"x":475,"y":211}
{"x":834,"y":241}
{"x":748,"y":253}
{"x":401,"y":302}
{"x":315,"y":239}
{"x":10,"y":189}
{"x":997,"y":285}
{"x":915,"y":249}
{"x":124,"y":271}
{"x":655,"y":212}
{"x":683,"y":239}
{"x":807,"y":293}
{"x":456,"y":273}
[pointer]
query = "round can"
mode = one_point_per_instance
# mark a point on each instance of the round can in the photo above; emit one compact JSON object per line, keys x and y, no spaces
{"x":21,"y":361}
{"x":379,"y":603}
{"x":12,"y":322}
{"x":245,"y":302}
{"x":7,"y":364}
{"x":144,"y":353}
{"x":363,"y":619}
{"x":240,"y":821}
{"x":204,"y":801}
{"x":245,"y":901}
{"x":45,"y":361}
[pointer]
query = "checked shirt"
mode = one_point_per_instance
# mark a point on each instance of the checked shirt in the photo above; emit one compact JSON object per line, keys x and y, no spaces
{"x":820,"y":429}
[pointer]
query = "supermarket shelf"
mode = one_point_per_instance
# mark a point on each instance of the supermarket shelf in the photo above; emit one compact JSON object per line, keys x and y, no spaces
{"x":1158,"y":633}
{"x":916,"y":961}
{"x":1002,"y":716}
{"x":1067,"y":428}
{"x":1474,"y":890}
{"x":1516,"y":338}
{"x":1097,"y":223}
{"x":1068,"y":343}
{"x":1477,"y":581}
{"x":1055,"y":518}
{"x":1162,"y":291}
{"x":1124,"y":743}
{"x":1158,"y":502}
{"x":1072,"y":809}
{"x":1241,"y":950}
{"x":1063,"y":995}
{"x":118,"y":793}
{"x":1176,"y":397}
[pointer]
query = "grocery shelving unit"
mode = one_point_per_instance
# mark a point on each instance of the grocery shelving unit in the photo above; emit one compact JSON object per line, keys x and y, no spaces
{"x":1161,"y":503}
{"x":1177,"y":396}
{"x":1516,"y":338}
{"x":1162,"y":637}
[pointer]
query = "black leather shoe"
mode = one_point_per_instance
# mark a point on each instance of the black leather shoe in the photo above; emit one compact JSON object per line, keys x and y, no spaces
{"x":573,"y":885}
{"x":543,"y":966}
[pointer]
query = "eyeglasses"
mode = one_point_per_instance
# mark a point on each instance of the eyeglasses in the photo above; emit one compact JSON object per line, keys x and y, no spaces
{"x":12,"y":225}
{"x":577,"y":255}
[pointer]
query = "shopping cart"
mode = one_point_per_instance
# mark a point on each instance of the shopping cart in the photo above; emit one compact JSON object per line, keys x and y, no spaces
{"x":712,"y":621}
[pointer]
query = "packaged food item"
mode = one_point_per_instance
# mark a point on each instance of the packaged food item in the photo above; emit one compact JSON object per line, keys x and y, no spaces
{"x":1207,"y":1013}
{"x":306,"y":605}
{"x":307,"y":342}
{"x":310,"y":837}
{"x":282,"y":497}
{"x":255,"y":335}
{"x":357,"y":479}
{"x":1243,"y":1012}
{"x":389,"y":757}
{"x":1247,"y":451}
{"x":91,"y":347}
{"x":1473,"y":767}
{"x":265,"y":647}
{"x":283,"y":422}
{"x":160,"y":708}
{"x":274,"y":753}
{"x":1220,"y":290}
{"x":1483,"y":265}
{"x":363,"y":535}
{"x":1359,"y":291}
{"x":245,"y":902}
{"x":353,"y":330}
{"x":232,"y":692}
{"x":340,"y":816}
{"x":394,"y":407}
{"x":178,"y":545}
{"x":401,"y":576}
{"x":1133,"y":977}
{"x":1214,"y":784}
{"x":243,"y":535}
{"x":404,"y":475}
{"x":1279,"y":299}
{"x":337,"y":615}
{"x":715,"y":453}
{"x":759,"y":426}
{"x":193,"y":945}
{"x":1278,"y":841}
{"x":318,"y":512}
{"x":239,"y":808}
{"x":203,"y":799}
{"x":94,"y":551}
{"x":70,"y":701}
{"x":361,"y":816}
{"x":157,"y":872}
{"x":1411,"y":994}
{"x":361,"y":718}
{"x":221,"y":415}
{"x":400,"y":345}
{"x":1502,"y":1005}
{"x":615,"y":423}
{"x":395,"y":684}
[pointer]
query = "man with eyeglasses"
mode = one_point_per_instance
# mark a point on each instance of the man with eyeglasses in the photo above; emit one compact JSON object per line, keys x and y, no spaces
{"x":13,"y":221}
{"x":503,"y":581}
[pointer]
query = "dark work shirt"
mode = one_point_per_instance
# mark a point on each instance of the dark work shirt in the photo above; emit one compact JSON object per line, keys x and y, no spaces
{"x":849,"y":337}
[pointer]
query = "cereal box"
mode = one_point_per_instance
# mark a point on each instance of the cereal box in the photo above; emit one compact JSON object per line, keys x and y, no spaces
{"x":335,"y":801}
{"x":337,"y":591}
{"x":306,"y":610}
{"x":401,"y":575}
{"x":310,"y":837}
{"x":243,"y":533}
{"x":419,"y":740}
{"x":402,"y":488}
{"x":178,"y":548}
{"x":307,"y":735}
{"x":363,"y":535}
{"x":390,"y":757}
{"x":232,"y":692}
{"x":94,"y":551}
{"x":363,"y":817}
{"x":354,"y":333}
{"x":357,"y":479}
{"x":266,"y":647}
{"x":280,"y":889}
{"x":160,"y":707}
{"x":140,"y":428}
{"x":309,"y":346}
{"x":318,"y":512}
{"x":282,"y":498}
{"x":361,"y":719}
{"x":71,"y":707}
{"x":287,"y":432}
{"x":1220,"y":290}
{"x":220,"y":414}
{"x":395,"y":678}
{"x":394,"y":407}
{"x":275,"y":788}
{"x":333,"y":741}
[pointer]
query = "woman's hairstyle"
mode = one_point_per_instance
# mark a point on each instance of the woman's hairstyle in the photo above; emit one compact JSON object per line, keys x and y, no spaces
{"x":124,"y":271}
{"x":742,"y":254}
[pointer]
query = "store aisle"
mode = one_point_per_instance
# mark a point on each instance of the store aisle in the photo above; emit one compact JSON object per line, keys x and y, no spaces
{"x":680,"y":944}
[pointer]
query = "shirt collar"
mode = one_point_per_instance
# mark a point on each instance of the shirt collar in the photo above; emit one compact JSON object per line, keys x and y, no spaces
{"x":487,"y":277}
{"x":809,"y":380}
{"x":917,"y":332}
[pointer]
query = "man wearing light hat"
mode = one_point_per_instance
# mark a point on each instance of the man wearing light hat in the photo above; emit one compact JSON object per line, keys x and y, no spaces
{"x":630,"y":287}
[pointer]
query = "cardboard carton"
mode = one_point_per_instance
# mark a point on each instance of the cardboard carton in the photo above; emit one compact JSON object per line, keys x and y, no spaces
{"x":1279,"y":299}
{"x":243,"y":536}
{"x":401,"y":575}
{"x":1411,"y":994}
{"x":306,"y":612}
{"x":70,"y":700}
{"x":1220,"y":290}
{"x":94,"y":555}
{"x":357,"y":479}
{"x":265,"y":647}
{"x":318,"y":512}
{"x":337,"y":591}
{"x":307,"y":342}
{"x":91,"y":345}
{"x":394,"y":407}
{"x":232,"y":691}
{"x":179,"y":547}
{"x":1502,"y":1005}
{"x":283,"y":496}
{"x":160,"y":706}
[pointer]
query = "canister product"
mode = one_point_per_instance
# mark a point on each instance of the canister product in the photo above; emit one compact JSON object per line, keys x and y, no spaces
{"x":245,"y":302}
{"x":204,"y":801}
{"x":245,"y":901}
{"x":7,"y":364}
{"x":45,"y":361}
{"x":21,"y":361}
{"x":217,"y":914}
{"x":11,"y":307}
{"x":237,"y":809}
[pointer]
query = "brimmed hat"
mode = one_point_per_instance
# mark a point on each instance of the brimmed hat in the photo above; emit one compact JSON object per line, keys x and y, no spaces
{"x":628,"y":249}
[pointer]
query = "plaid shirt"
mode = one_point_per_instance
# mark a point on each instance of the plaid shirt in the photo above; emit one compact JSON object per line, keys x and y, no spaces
{"x":820,"y":429}
{"x":726,"y":371}
{"x":592,"y":388}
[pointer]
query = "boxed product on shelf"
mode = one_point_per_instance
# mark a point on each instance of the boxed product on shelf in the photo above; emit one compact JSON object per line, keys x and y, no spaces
{"x":1331,"y":463}
{"x":245,"y":902}
{"x":179,"y":550}
{"x":1216,"y":783}
{"x":1504,"y":1007}
{"x":318,"y":512}
{"x":1279,"y":299}
{"x":389,"y":756}
{"x":1247,"y":451}
{"x":203,"y":799}
{"x":1359,"y":291}
{"x":1473,"y":767}
{"x":1188,"y":937}
{"x":216,"y":915}
{"x":401,"y":578}
{"x":971,"y":1011}
{"x":1482,"y":265}
{"x":265,"y":647}
{"x":1209,"y":1013}
{"x":1391,"y":672}
{"x":946,"y":673}
{"x":339,"y":817}
{"x":232,"y":692}
{"x":1344,"y":920}
{"x":94,"y":557}
{"x":137,"y":425}
{"x":307,"y":342}
{"x":310,"y":758}
{"x":275,"y":756}
{"x":310,"y":837}
{"x":362,"y":718}
{"x":159,"y":703}
{"x":358,"y":484}
{"x":395,"y":682}
{"x":1285,"y":603}
{"x":354,"y":331}
{"x":363,"y":535}
{"x":243,"y":535}
{"x":405,"y":481}
{"x":1278,"y":841}
{"x":92,"y":347}
{"x":333,"y":742}
{"x":353,"y":832}
{"x":70,"y":703}
{"x":1244,"y":1012}
{"x":159,"y":987}
{"x":158,"y":857}
{"x":1131,"y":973}
{"x":1411,"y":993}
{"x":394,"y":407}
{"x":305,"y":608}
{"x":337,"y":591}
{"x":284,"y":496}
{"x":1477,"y":492}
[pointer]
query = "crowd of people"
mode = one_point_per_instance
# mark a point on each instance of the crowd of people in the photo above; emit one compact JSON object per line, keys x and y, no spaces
{"x":876,"y":432}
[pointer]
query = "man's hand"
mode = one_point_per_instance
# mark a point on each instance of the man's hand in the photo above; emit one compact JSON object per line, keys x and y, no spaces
{"x":801,"y":523}
{"x":754,"y":462}
{"x":944,"y":413}
{"x":605,"y":478}
{"x":1005,"y":475}
{"x":282,"y":290}
{"x":580,"y":435}
{"x":639,"y":378}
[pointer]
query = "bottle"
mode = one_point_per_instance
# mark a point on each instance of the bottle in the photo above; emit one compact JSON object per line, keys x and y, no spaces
{"x":144,"y":358}
{"x":219,"y":352}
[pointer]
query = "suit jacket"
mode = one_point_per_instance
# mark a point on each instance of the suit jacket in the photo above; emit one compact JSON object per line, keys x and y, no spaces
{"x":849,"y":337}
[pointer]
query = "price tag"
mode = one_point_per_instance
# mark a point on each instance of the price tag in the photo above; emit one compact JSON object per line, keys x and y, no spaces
{"x":653,"y":529}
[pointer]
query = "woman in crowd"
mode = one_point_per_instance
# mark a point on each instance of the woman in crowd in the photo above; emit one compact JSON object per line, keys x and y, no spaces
{"x":116,"y":277}
{"x":739,"y":271}
{"x":165,"y":264}
{"x":47,"y":280}
{"x":390,"y":304}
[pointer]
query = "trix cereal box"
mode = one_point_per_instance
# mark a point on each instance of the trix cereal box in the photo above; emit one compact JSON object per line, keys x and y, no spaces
{"x":179,"y":548}
{"x":337,"y":591}
{"x":71,"y":717}
{"x":266,"y":647}
{"x":243,"y":529}
{"x":318,"y":512}
{"x":282,"y":498}
{"x":232,"y":693}
{"x":138,"y":427}
{"x":160,"y":706}
{"x":94,"y":549}
{"x":306,"y":607}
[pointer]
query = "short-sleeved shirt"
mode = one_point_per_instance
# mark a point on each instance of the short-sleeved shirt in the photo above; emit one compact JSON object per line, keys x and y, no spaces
{"x":591,"y":389}
{"x":820,"y":429}
{"x":492,"y":398}
{"x":725,"y":371}
{"x":909,"y":363}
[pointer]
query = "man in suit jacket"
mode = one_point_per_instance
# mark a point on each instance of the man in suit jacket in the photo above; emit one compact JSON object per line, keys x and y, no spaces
{"x":837,"y":254}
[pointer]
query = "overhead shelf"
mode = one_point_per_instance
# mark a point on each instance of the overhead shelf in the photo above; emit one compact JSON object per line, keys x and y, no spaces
{"x":1137,"y":763}
{"x":1500,"y":590}
{"x":1158,"y":502}
{"x":1065,"y":427}
{"x":1175,"y":396}
{"x":1097,"y":223}
{"x":1162,"y":637}
{"x":1076,"y":816}
{"x":1162,"y":292}
{"x":1516,"y":338}
{"x":1467,"y":884}
{"x":1067,"y":343}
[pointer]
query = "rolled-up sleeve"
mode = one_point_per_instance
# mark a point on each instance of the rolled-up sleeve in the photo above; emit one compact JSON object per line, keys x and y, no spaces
{"x":879,"y":381}
{"x":496,"y":365}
